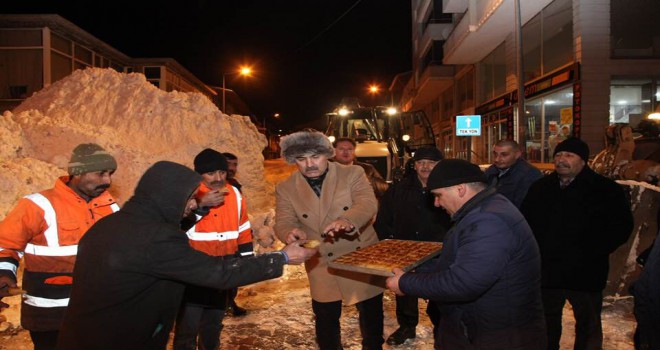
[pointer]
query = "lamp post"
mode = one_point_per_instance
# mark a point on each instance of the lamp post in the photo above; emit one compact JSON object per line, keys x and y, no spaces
{"x":244,"y":71}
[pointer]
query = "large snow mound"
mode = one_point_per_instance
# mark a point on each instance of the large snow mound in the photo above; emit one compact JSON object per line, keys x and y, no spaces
{"x":135,"y":121}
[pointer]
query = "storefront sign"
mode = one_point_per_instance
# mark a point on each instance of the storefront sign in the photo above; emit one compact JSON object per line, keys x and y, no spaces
{"x":551,"y":81}
{"x":468,"y":125}
{"x":577,"y":109}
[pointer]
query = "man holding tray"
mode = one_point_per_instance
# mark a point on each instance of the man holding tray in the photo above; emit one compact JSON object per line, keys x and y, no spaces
{"x":334,"y":204}
{"x":487,"y":281}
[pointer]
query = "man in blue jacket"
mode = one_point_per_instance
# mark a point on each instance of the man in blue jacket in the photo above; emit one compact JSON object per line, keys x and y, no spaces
{"x":487,"y":281}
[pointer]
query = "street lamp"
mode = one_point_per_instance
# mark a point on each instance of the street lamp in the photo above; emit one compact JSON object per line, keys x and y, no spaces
{"x":244,"y":71}
{"x":374,"y":89}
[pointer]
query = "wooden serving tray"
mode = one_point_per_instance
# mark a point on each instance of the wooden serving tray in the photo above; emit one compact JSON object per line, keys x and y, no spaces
{"x":382,"y":257}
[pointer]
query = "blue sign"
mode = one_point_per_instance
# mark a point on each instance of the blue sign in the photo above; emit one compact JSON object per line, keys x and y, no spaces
{"x":468,"y":125}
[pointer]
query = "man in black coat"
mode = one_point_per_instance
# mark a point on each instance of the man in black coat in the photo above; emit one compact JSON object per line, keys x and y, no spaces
{"x":510,"y":173}
{"x":579,"y":218}
{"x":407,"y":212}
{"x":133,"y":265}
{"x":487,"y":281}
{"x":647,"y":302}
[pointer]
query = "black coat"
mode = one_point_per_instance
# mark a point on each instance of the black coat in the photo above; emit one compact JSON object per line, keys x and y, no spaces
{"x":407,"y":212}
{"x":577,"y":228}
{"x":515,"y":182}
{"x":487,"y":281}
{"x":132,"y":268}
{"x":647,"y":301}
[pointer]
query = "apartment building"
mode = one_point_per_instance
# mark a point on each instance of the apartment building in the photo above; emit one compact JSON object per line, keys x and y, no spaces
{"x":586,"y":64}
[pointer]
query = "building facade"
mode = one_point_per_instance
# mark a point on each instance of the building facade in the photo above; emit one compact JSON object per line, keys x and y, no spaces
{"x":586,"y":64}
{"x":38,"y":50}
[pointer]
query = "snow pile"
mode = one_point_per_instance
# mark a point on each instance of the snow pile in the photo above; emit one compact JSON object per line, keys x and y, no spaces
{"x":135,"y":121}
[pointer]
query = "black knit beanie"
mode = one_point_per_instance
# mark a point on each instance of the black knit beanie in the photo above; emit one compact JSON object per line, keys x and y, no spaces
{"x":210,"y":160}
{"x":451,"y":172}
{"x":573,"y":145}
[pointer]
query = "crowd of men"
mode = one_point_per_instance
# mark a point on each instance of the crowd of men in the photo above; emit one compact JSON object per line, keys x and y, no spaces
{"x":516,"y":246}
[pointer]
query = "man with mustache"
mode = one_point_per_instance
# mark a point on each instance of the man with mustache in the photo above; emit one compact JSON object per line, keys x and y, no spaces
{"x":224,"y":230}
{"x":334,"y":204}
{"x":407,"y":212}
{"x":578,"y":218}
{"x":44,"y":228}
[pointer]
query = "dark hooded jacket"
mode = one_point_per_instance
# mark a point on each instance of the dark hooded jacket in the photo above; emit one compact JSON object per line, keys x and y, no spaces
{"x":487,"y":281}
{"x":133,"y":265}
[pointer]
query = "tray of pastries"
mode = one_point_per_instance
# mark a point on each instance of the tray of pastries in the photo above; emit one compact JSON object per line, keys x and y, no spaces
{"x":382,"y":257}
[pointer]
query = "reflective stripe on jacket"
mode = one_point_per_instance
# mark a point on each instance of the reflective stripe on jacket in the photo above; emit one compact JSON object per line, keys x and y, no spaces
{"x":45,"y":228}
{"x":224,"y":228}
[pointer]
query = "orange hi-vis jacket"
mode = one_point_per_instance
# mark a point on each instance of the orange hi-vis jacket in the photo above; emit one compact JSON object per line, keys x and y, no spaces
{"x":44,"y":229}
{"x":226,"y":229}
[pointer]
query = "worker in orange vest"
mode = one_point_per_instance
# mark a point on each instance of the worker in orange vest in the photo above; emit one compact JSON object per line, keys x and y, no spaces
{"x":44,"y":228}
{"x":223,"y":230}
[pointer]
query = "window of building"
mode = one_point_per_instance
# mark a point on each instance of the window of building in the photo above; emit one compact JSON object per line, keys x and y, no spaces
{"x":492,"y":75}
{"x":548,"y":120}
{"x":434,"y":55}
{"x":465,"y":91}
{"x":634,"y":28}
{"x":447,"y":104}
{"x":631,"y":100}
{"x":60,"y":44}
{"x":60,"y":66}
{"x":548,"y":39}
{"x":83,"y":55}
{"x":19,"y":79}
{"x":435,"y":15}
{"x":20,"y":37}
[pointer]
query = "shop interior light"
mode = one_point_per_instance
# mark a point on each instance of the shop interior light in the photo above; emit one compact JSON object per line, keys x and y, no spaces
{"x":332,"y":139}
{"x":391,"y":111}
{"x":343,"y":112}
{"x":405,"y":137}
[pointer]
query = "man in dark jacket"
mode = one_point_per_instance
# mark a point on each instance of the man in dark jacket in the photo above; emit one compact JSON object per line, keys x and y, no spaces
{"x":487,"y":280}
{"x":510,"y":173}
{"x":407,"y":212}
{"x":578,"y":218}
{"x":647,"y":302}
{"x":133,"y":265}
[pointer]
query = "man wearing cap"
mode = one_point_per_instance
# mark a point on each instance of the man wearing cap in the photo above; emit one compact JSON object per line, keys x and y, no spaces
{"x":333,"y":204}
{"x":345,"y":154}
{"x":510,"y":173}
{"x":578,"y":218}
{"x":224,"y":230}
{"x":487,"y":280}
{"x":407,"y":212}
{"x":45,"y":228}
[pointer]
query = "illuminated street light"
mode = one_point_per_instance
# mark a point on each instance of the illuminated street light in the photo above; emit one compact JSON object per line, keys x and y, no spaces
{"x":244,"y":71}
{"x":391,"y":111}
{"x":343,"y":111}
{"x":374,"y":89}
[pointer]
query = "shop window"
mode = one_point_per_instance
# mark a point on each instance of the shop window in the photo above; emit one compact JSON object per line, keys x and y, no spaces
{"x":548,"y":120}
{"x":634,"y":28}
{"x":20,"y":37}
{"x":447,"y":104}
{"x":631,"y":100}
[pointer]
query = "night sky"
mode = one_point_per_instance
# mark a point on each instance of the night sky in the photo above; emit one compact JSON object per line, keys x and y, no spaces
{"x":307,"y":55}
